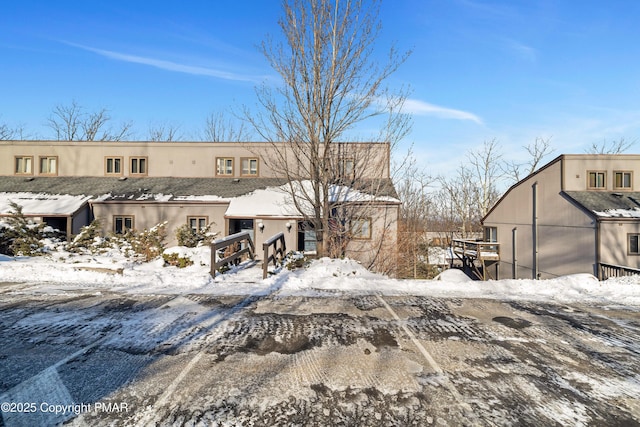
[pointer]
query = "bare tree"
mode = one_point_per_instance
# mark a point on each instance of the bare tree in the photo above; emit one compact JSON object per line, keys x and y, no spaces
{"x":613,"y":147}
{"x":461,"y":192}
{"x":7,"y":133}
{"x":414,"y":190}
{"x":331,"y":82}
{"x":220,"y":128}
{"x":537,"y":150}
{"x":485,"y":166}
{"x":164,"y":132}
{"x":72,"y":123}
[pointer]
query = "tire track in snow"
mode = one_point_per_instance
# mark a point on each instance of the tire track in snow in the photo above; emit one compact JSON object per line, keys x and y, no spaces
{"x":151,"y":415}
{"x":446,"y":382}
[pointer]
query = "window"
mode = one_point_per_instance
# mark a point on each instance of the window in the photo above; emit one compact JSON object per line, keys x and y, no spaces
{"x":48,"y":165}
{"x":491,"y":234}
{"x":24,"y":165}
{"x":122,"y":224}
{"x":360,"y":228}
{"x":224,"y":166}
{"x":623,"y":180}
{"x":113,"y":165}
{"x":197,"y":223}
{"x":249,"y":166}
{"x":597,"y":179}
{"x":307,"y":239}
{"x":347,"y":168}
{"x":633,"y":247}
{"x":138,"y":165}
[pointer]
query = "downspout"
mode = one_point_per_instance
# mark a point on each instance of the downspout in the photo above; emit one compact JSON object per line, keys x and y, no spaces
{"x":514,"y":254}
{"x":598,"y":267}
{"x":535,"y":229}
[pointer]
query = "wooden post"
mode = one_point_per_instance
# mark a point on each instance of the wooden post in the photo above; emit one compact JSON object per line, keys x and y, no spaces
{"x":225,"y":242}
{"x":277,"y":255}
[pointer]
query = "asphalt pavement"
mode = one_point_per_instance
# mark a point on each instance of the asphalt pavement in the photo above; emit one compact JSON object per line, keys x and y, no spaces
{"x":81,"y":358}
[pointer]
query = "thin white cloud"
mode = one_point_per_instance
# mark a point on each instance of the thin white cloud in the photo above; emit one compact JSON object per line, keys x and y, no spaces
{"x":170,"y":66}
{"x":523,"y":51}
{"x":421,"y":108}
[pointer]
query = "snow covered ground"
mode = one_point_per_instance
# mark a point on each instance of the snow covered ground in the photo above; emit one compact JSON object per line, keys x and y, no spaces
{"x":62,"y":271}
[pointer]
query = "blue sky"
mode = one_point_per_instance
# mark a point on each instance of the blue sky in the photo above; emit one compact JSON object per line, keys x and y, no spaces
{"x":512,"y":70}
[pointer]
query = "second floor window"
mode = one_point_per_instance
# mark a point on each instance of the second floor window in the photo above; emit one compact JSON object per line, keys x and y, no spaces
{"x":623,"y":180}
{"x":48,"y":165}
{"x":24,"y":165}
{"x":138,"y":165}
{"x":224,"y":166}
{"x":113,"y":165}
{"x":597,"y":180}
{"x":249,"y":166}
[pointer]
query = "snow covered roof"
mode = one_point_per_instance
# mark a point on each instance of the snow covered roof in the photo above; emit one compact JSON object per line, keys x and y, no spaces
{"x":134,"y":188}
{"x":246,"y":196}
{"x":278,"y":201}
{"x":41,"y":203}
{"x":272,"y":201}
{"x":606,"y":204}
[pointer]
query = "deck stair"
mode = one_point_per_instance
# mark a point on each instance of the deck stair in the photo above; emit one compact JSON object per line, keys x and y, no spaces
{"x":477,"y":256}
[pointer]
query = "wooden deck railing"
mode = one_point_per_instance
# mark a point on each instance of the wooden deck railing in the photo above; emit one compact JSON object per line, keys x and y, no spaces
{"x":274,"y":255}
{"x":235,"y":245}
{"x":612,"y":270}
{"x":474,"y":249}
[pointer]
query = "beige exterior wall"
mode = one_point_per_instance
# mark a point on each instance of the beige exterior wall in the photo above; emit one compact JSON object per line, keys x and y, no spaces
{"x":577,"y":166}
{"x":147,"y":215}
{"x":273,"y":226}
{"x":614,"y":242}
{"x":170,"y":159}
{"x":198,"y":160}
{"x":380,"y":250}
{"x":566,"y":235}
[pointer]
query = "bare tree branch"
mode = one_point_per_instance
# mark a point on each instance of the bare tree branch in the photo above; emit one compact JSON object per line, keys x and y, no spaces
{"x":221,"y":129}
{"x":614,"y":147}
{"x":164,"y":132}
{"x":485,"y":164}
{"x":331,"y":83}
{"x":537,"y":150}
{"x":72,"y":123}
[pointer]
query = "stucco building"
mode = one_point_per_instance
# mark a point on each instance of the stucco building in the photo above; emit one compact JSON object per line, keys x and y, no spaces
{"x":577,"y":214}
{"x":230,"y":186}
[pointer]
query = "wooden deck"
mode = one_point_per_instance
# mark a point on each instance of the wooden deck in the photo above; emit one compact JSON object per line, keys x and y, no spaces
{"x":477,"y":256}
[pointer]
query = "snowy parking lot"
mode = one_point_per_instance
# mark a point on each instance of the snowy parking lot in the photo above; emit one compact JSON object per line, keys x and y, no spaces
{"x":328,"y":345}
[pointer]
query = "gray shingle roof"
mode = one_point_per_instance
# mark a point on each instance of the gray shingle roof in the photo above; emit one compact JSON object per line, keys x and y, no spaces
{"x":97,"y":186}
{"x":601,"y":201}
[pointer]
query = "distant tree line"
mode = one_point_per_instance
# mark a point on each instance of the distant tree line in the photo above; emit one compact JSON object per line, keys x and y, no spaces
{"x":74,"y":122}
